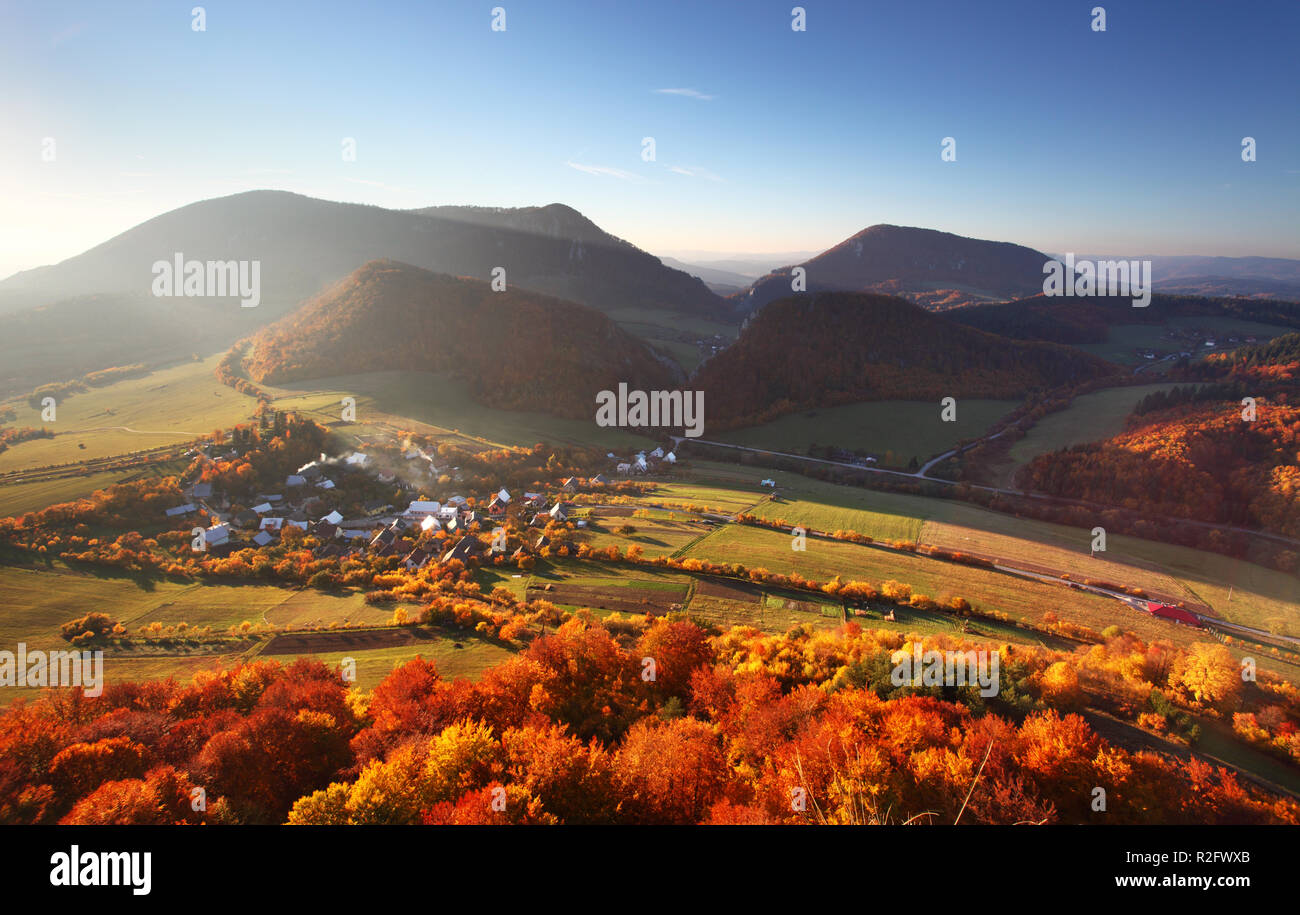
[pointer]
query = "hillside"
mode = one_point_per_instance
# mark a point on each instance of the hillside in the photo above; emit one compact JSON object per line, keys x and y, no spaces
{"x":936,"y":269}
{"x":836,"y":348}
{"x":516,"y":350}
{"x":1087,"y":319}
{"x":1191,"y":454}
{"x":303,"y":245}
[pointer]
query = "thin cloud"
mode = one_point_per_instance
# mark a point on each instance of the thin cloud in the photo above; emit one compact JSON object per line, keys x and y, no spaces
{"x":605,"y":171}
{"x":694,"y":172}
{"x":687,"y":93}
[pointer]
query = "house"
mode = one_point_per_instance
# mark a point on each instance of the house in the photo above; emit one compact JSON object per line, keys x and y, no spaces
{"x":353,"y":533}
{"x":465,"y":549}
{"x":448,"y":512}
{"x":542,"y":541}
{"x":657,"y":453}
{"x":333,"y":517}
{"x":216,"y":535}
{"x":295,"y":480}
{"x":310,"y":471}
{"x":600,"y":479}
{"x":202,"y":491}
{"x":262,"y":538}
{"x":624,"y":468}
{"x":559,"y":512}
{"x":640,"y":465}
{"x":261,"y":508}
{"x":357,"y":459}
{"x":496,"y":506}
{"x":246,"y":518}
{"x":325,"y":484}
{"x":417,"y":558}
{"x":323,"y":529}
{"x":534,"y":499}
{"x":459,"y":501}
{"x":430,"y":523}
{"x":503,"y":494}
{"x":383,"y":539}
{"x":181,"y":510}
{"x":771,"y":483}
{"x":612,"y":456}
{"x":670,"y":457}
{"x":271,"y":524}
{"x":386,"y":477}
{"x":474,"y":518}
{"x":1177,"y":614}
{"x":570,"y":485}
{"x":421,"y":508}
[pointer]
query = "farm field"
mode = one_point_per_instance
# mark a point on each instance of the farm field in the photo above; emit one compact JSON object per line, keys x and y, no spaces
{"x":1235,"y":590}
{"x":168,"y":406}
{"x":662,"y":534}
{"x":1020,"y":599}
{"x":1090,"y":418}
{"x":405,"y":399}
{"x":437,"y":644}
{"x":894,"y":431}
{"x":1124,"y":339}
{"x":21,"y":494}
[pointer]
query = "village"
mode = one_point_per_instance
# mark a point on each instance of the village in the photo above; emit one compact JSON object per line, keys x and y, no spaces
{"x":425,"y":530}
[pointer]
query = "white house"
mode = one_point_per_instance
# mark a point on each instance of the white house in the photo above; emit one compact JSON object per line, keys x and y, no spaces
{"x":217,"y":534}
{"x":624,"y":468}
{"x":504,"y":495}
{"x":670,"y":457}
{"x":657,"y":453}
{"x":263,"y":508}
{"x":271,"y":524}
{"x":333,"y":517}
{"x":430,"y":523}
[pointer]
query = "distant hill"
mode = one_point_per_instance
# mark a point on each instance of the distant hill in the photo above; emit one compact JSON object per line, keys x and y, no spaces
{"x":516,"y":350}
{"x":723,"y":282}
{"x":834,"y":348}
{"x":1087,"y":319}
{"x":304,"y":244}
{"x":937,"y":269}
{"x":1189,"y":452}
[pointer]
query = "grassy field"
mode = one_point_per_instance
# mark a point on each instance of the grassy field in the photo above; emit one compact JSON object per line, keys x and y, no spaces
{"x":895,"y":431}
{"x":18,"y":494}
{"x":470,"y":660}
{"x":1089,"y":418}
{"x":1238,"y":591}
{"x":1175,"y":335}
{"x":409,"y":400}
{"x":169,"y":406}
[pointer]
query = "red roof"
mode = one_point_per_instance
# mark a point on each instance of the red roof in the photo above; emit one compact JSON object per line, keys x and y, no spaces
{"x":1178,"y":614}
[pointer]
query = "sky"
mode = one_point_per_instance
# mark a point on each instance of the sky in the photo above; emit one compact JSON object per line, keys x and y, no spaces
{"x":766,"y":139}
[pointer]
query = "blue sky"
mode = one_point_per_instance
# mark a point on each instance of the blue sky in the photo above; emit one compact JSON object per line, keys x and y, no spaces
{"x":1126,"y":141}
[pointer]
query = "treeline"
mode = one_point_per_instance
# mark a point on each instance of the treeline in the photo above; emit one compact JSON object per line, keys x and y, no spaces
{"x":740,"y":727}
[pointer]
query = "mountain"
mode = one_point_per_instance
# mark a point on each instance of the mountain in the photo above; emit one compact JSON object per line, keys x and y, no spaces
{"x":1249,"y":277}
{"x":304,"y":244}
{"x":936,"y":269}
{"x":516,"y":350}
{"x":723,"y":282}
{"x":1088,"y":319}
{"x":833,"y":348}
